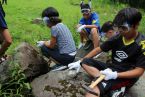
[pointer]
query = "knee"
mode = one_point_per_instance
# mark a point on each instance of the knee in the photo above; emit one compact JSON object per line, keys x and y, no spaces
{"x":43,"y":48}
{"x":9,"y":42}
{"x":82,"y":32}
{"x":94,"y":31}
{"x":85,"y":63}
{"x":84,"y":66}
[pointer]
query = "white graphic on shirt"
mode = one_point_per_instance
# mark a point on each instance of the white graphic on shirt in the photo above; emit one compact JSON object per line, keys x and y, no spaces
{"x":104,"y":84}
{"x":121,"y":56}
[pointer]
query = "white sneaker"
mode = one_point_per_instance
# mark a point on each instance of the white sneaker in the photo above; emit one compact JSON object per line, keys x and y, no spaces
{"x":81,"y":45}
{"x":119,"y":93}
{"x":58,"y":67}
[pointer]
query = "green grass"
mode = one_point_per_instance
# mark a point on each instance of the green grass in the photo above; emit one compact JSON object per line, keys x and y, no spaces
{"x":20,"y":13}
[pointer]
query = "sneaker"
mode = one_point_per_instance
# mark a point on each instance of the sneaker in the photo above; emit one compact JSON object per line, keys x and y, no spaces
{"x":3,"y":58}
{"x":81,"y":45}
{"x":88,"y":44}
{"x":118,"y":93}
{"x":58,"y":67}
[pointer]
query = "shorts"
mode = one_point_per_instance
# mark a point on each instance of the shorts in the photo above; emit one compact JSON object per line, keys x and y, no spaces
{"x":63,"y":59}
{"x":110,"y":85}
{"x":1,"y":38}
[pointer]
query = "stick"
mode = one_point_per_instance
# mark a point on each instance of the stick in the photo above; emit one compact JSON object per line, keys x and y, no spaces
{"x":97,"y":81}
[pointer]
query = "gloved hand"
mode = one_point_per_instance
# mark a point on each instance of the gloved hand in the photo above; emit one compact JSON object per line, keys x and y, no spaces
{"x":75,"y":65}
{"x":81,"y":28}
{"x":40,"y":43}
{"x":109,"y":74}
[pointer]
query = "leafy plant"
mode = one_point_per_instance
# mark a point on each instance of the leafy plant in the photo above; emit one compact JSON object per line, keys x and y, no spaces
{"x":16,"y":86}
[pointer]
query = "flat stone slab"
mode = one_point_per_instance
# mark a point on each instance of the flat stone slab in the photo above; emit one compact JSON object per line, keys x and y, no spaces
{"x":138,"y":90}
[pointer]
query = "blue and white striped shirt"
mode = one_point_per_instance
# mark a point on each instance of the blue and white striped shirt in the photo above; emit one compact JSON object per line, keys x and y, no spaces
{"x":65,"y":42}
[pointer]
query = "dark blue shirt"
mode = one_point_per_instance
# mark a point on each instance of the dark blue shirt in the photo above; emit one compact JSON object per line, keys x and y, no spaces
{"x":2,"y":20}
{"x":93,"y":20}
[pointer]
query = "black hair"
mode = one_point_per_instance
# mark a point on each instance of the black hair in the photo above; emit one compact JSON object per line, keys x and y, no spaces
{"x":85,"y":6}
{"x":107,"y":26}
{"x":52,"y":14}
{"x":130,"y":15}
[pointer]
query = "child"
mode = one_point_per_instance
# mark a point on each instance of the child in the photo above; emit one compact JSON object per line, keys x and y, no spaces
{"x":108,"y":30}
{"x":5,"y":37}
{"x":128,"y":57}
{"x":88,"y":26}
{"x":60,"y":36}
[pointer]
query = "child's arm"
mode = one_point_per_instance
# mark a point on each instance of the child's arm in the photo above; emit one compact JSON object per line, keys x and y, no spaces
{"x":137,"y":72}
{"x":52,"y":43}
{"x":91,"y":26}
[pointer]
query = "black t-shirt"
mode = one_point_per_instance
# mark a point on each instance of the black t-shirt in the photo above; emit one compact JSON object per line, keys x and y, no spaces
{"x":126,"y":56}
{"x":2,"y":20}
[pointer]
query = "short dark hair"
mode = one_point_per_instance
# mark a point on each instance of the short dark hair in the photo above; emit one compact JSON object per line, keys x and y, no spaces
{"x":85,"y":6}
{"x":107,"y":26}
{"x":52,"y":14}
{"x":130,"y":15}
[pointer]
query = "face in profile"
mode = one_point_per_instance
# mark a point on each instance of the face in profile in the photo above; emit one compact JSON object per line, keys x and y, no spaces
{"x":126,"y":30}
{"x":109,"y":34}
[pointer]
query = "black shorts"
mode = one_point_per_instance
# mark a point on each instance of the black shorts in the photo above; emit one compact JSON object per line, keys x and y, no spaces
{"x":110,"y":85}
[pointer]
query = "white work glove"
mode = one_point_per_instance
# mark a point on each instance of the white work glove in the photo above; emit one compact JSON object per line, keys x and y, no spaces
{"x":75,"y":65}
{"x":109,"y":74}
{"x":41,"y":43}
{"x":81,"y":28}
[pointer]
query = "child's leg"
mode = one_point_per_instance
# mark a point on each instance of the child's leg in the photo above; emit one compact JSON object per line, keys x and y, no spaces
{"x":6,"y":39}
{"x":91,"y":70}
{"x":84,"y":36}
{"x":63,"y":59}
{"x":96,"y":90}
{"x":93,"y":67}
{"x":95,"y":37}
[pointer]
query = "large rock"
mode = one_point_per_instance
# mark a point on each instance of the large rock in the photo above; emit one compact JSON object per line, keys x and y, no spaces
{"x":59,"y":84}
{"x":64,"y":84}
{"x":5,"y":69}
{"x":31,"y":62}
{"x":138,"y":90}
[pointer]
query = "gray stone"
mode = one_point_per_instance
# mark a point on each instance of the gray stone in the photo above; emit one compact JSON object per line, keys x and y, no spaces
{"x":5,"y":70}
{"x":37,"y":21}
{"x":83,"y":51}
{"x":31,"y":62}
{"x":59,"y":84}
{"x":138,"y":90}
{"x":67,"y":84}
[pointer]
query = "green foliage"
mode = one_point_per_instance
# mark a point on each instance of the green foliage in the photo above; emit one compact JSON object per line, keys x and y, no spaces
{"x":16,"y":86}
{"x":20,"y":13}
{"x":133,"y":3}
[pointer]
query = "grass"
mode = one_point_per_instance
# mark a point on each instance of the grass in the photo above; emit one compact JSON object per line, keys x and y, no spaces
{"x":20,"y":13}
